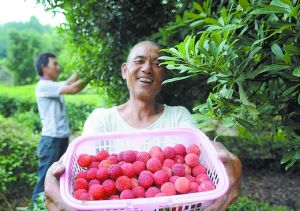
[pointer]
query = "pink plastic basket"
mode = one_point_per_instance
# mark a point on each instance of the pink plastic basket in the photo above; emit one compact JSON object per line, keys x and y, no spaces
{"x":142,"y":141}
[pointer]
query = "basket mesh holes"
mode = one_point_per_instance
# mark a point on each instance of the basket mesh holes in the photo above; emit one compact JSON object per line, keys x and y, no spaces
{"x":104,"y":145}
{"x":75,"y":169}
{"x":215,"y":177}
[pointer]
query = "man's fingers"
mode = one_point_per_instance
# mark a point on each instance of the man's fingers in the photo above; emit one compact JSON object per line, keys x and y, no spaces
{"x":58,"y":170}
{"x":219,"y":204}
{"x":222,"y":152}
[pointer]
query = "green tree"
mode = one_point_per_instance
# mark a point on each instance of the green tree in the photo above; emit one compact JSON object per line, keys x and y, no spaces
{"x":248,"y":53}
{"x":22,"y":51}
{"x":32,"y":25}
{"x":20,"y":43}
{"x":104,"y":30}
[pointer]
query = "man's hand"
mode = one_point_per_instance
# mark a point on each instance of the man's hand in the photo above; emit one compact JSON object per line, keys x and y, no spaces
{"x":53,"y":198}
{"x":233,"y":167}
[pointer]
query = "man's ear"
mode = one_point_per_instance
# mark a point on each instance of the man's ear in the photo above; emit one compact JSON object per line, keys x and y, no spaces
{"x":124,"y":70}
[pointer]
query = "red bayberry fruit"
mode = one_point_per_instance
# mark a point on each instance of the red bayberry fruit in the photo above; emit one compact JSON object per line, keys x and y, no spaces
{"x":102,"y":155}
{"x":139,"y":191}
{"x":168,"y":188}
{"x":180,"y":149}
{"x":143,"y":156}
{"x":97,"y":191}
{"x":160,"y":177}
{"x":169,"y":152}
{"x":129,"y":156}
{"x":123,"y":183}
{"x":182,"y":185}
{"x":109,"y":187}
{"x":193,"y":148}
{"x":127,"y":194}
{"x":77,"y":193}
{"x":153,"y":164}
{"x":145,"y":179}
{"x":151,"y":192}
{"x":84,"y":160}
{"x":192,"y":159}
{"x":178,"y":169}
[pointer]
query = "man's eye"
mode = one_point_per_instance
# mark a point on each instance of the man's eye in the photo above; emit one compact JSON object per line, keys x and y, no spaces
{"x":138,"y":61}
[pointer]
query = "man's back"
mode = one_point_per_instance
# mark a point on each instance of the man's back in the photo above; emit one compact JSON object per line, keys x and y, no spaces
{"x":52,"y":109}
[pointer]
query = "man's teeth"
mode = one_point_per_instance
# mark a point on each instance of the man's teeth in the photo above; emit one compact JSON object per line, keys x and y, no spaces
{"x":146,"y":80}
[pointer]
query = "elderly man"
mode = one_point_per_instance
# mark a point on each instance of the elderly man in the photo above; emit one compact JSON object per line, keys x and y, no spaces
{"x":144,"y":76}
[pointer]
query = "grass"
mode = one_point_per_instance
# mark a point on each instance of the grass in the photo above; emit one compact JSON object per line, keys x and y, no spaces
{"x":27,"y":92}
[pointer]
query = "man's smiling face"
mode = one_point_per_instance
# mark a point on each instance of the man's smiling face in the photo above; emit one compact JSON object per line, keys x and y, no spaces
{"x":142,"y":71}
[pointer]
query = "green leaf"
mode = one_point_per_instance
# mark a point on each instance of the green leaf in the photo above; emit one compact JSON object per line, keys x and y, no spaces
{"x":174,"y":51}
{"x":226,"y":93}
{"x":267,"y":68}
{"x":243,"y":96}
{"x":196,"y":23}
{"x":181,"y":47}
{"x":290,"y":159}
{"x":197,"y":6}
{"x":299,"y":98}
{"x":177,"y":79}
{"x":217,"y":37}
{"x":243,"y":30}
{"x":273,"y":18}
{"x":253,"y":52}
{"x":287,"y":58}
{"x":246,"y":124}
{"x":209,"y":103}
{"x":277,"y":67}
{"x":296,"y":71}
{"x":287,"y":157}
{"x":189,"y":46}
{"x":277,"y":51}
{"x":287,"y":5}
{"x":212,"y":78}
{"x":192,"y":15}
{"x":269,"y":9}
{"x":244,"y":4}
{"x":211,"y":21}
{"x":168,"y":58}
{"x":204,"y":51}
{"x":292,"y":49}
{"x":290,"y":90}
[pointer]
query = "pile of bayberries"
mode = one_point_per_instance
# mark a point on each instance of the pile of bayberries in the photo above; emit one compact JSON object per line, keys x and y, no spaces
{"x":132,"y":174}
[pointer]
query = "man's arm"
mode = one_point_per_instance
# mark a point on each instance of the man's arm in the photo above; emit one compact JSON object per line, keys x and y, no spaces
{"x":72,"y":79}
{"x":73,"y":85}
{"x":233,"y":168}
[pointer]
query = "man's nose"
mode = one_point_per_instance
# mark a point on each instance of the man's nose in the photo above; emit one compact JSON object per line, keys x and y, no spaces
{"x":147,"y":67}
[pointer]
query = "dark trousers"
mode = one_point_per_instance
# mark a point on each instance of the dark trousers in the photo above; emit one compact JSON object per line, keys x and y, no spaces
{"x":49,"y":150}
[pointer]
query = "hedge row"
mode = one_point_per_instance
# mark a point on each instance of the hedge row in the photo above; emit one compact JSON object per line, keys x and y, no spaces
{"x":18,"y":100}
{"x":18,"y":160}
{"x":20,"y":132}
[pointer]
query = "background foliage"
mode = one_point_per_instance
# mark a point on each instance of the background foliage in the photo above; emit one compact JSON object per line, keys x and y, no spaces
{"x":248,"y":53}
{"x":20,"y":102}
{"x":20,"y":43}
{"x":18,"y":157}
{"x":104,"y":30}
{"x":240,"y":59}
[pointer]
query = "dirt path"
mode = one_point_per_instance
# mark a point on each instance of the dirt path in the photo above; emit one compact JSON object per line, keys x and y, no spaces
{"x":276,"y":187}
